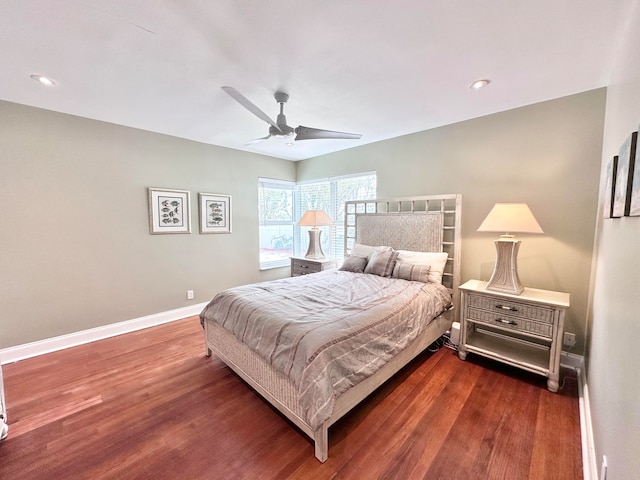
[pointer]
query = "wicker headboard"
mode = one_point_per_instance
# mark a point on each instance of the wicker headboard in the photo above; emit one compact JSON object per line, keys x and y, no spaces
{"x":426,"y":224}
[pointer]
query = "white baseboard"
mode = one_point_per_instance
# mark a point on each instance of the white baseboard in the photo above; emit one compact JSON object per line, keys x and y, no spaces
{"x":28,"y":350}
{"x":589,"y":464}
{"x":571,"y":360}
{"x":589,"y":461}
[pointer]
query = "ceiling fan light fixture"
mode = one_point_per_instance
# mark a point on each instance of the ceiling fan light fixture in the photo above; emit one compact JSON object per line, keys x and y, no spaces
{"x":43,"y":80}
{"x":478,"y":84}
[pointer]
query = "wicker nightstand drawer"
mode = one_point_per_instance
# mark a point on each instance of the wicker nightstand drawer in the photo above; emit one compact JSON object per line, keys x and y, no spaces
{"x":305,"y":266}
{"x":511,"y":322}
{"x":511,"y":308}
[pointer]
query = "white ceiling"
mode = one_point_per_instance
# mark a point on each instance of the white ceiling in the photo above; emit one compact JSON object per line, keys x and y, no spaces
{"x":375,"y":67}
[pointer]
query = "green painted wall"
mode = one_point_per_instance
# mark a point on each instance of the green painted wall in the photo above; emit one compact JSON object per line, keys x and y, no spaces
{"x":546,"y":154}
{"x":75,"y":248}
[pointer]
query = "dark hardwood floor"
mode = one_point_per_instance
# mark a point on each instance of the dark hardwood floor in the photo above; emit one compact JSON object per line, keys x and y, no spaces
{"x":150,"y":405}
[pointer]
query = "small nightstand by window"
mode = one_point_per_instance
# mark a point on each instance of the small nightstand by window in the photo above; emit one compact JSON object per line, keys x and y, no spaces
{"x":305,"y":266}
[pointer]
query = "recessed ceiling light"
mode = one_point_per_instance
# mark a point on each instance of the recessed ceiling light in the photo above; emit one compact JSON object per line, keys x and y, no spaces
{"x":478,"y":84}
{"x":43,"y":80}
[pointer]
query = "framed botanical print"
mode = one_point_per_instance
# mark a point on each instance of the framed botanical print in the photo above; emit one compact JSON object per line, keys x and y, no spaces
{"x":624,"y":177}
{"x":610,"y":188}
{"x":169,"y":211}
{"x":215,"y":213}
{"x":634,"y":209}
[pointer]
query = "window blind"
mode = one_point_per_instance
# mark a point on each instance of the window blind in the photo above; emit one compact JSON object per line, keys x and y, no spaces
{"x":276,"y":222}
{"x":330,"y":194}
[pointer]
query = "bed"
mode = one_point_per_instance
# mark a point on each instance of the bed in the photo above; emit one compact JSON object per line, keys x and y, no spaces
{"x":338,"y":335}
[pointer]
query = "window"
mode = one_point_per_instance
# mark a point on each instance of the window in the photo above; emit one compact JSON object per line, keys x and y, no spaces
{"x":276,"y":222}
{"x":282,"y":203}
{"x":330,"y":195}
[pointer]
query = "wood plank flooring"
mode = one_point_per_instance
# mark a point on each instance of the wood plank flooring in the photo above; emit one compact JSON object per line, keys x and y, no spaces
{"x":150,"y":405}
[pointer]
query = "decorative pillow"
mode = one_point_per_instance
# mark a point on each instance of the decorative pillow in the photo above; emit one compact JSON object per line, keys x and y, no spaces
{"x":408,"y":271}
{"x":437,"y":261}
{"x":381,"y":263}
{"x":360,"y":250}
{"x":354,"y":264}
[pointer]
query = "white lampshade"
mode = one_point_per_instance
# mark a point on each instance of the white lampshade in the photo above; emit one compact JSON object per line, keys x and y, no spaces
{"x":508,"y":218}
{"x":315,"y":218}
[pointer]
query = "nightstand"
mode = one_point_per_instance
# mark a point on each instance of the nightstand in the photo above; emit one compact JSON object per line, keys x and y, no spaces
{"x":521,"y":330}
{"x":304,"y":266}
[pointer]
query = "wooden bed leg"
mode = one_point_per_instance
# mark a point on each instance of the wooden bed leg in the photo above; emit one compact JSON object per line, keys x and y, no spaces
{"x":321,"y":437}
{"x":207,"y":350}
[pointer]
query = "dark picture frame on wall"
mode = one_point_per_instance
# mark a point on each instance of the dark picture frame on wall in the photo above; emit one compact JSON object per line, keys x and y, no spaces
{"x":634,"y":209}
{"x":610,"y":187}
{"x":169,"y":211}
{"x":215,"y":213}
{"x":624,"y":177}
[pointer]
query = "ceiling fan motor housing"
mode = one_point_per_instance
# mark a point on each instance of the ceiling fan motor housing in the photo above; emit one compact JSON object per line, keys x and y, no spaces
{"x":285,"y":130}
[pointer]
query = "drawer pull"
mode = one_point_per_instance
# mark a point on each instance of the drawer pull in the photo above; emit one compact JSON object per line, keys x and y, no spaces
{"x":507,"y":307}
{"x":505,"y":321}
{"x":304,"y":266}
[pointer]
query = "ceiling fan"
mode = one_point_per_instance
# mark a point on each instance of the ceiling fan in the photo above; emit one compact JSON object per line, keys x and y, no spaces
{"x":280,"y":128}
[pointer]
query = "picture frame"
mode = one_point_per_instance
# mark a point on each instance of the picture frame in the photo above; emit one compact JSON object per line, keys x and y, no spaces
{"x":169,"y":211}
{"x":624,"y":177}
{"x":610,"y":188}
{"x":215,"y":213}
{"x":634,"y":209}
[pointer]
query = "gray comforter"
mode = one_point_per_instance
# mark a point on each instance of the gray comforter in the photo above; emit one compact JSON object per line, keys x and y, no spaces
{"x":327,"y":331}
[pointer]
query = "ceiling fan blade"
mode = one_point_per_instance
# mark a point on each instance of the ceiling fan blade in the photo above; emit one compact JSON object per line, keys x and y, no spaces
{"x":308,"y":133}
{"x":257,"y":140}
{"x":246,"y":103}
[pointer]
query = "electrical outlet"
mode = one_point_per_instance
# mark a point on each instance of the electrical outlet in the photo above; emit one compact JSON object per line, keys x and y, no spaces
{"x":603,"y":468}
{"x":569,"y":339}
{"x":189,"y":294}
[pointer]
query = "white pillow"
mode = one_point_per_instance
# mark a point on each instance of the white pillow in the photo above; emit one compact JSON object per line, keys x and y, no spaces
{"x":360,"y":250}
{"x":437,"y":261}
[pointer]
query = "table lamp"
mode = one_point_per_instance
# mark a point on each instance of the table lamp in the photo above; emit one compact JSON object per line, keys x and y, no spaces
{"x":315,"y":219}
{"x":510,"y":218}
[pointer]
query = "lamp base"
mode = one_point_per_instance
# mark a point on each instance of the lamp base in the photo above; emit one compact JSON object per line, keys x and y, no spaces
{"x":505,"y":273}
{"x":314,"y":251}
